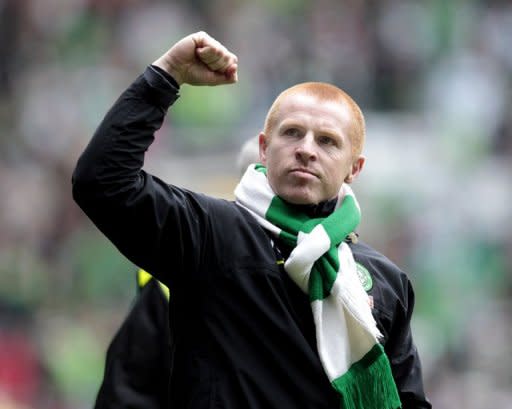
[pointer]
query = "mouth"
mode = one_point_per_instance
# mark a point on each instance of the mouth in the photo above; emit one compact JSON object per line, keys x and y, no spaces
{"x":303,"y":172}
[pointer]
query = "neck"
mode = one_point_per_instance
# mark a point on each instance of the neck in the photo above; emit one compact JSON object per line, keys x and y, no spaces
{"x":321,"y":209}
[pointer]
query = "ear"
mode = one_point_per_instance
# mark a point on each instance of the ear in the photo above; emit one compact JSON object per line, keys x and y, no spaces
{"x":263,"y":144}
{"x":355,"y":170}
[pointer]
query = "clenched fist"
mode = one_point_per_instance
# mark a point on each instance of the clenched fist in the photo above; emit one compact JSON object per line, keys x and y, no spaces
{"x":198,"y":59}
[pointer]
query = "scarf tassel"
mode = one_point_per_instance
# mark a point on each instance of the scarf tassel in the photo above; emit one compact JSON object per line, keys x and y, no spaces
{"x":369,"y":383}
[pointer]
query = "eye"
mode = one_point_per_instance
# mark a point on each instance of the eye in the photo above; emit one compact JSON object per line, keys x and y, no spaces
{"x":326,"y":140}
{"x":294,"y":132}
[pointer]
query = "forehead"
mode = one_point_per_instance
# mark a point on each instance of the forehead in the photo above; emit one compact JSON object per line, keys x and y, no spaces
{"x":303,"y":107}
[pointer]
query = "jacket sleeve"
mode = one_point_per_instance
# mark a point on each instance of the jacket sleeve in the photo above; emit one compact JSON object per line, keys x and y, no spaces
{"x":403,"y":355}
{"x":137,"y":375}
{"x":153,"y":224}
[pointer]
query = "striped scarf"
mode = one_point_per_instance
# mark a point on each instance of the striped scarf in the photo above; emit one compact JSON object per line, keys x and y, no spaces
{"x":322,"y":265}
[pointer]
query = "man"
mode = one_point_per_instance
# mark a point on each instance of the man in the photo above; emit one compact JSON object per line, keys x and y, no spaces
{"x":270,"y":304}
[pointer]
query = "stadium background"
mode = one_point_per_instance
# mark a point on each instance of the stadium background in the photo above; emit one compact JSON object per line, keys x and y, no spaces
{"x":434,"y":78}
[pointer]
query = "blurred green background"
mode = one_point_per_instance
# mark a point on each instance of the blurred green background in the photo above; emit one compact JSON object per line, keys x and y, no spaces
{"x":434,"y":79}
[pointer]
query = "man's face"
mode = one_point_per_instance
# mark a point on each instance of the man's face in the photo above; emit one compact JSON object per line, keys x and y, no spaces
{"x":308,"y":153}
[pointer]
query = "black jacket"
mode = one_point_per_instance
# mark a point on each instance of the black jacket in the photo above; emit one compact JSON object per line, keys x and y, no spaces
{"x":137,"y":366}
{"x":244,"y":332}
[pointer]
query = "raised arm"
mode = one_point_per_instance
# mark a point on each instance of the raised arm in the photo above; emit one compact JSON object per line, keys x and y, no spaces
{"x":152,"y":223}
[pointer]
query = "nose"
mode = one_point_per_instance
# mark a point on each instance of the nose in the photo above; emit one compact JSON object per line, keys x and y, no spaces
{"x":305,"y":150}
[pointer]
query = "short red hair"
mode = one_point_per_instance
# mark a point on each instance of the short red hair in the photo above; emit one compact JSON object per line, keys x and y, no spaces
{"x":323,"y":92}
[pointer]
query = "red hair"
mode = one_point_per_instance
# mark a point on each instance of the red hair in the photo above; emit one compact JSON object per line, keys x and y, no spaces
{"x":323,"y":92}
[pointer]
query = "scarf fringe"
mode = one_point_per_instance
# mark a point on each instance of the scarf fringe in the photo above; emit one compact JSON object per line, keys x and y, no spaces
{"x":360,"y":390}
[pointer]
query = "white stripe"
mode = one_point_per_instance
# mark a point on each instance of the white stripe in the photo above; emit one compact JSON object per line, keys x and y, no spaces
{"x":310,"y":247}
{"x":331,"y":337}
{"x":346,"y":190}
{"x":348,"y":287}
{"x":255,"y":195}
{"x":262,"y":221}
{"x":341,"y":340}
{"x":254,"y":192}
{"x":345,"y":327}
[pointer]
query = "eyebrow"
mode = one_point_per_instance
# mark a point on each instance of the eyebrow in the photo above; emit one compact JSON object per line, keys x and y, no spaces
{"x":328,"y":131}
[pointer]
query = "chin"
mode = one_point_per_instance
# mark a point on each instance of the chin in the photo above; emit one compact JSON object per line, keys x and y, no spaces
{"x":299,"y":199}
{"x":297,"y":195}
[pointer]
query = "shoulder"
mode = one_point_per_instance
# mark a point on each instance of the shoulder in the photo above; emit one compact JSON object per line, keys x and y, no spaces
{"x":390,"y":289}
{"x":378,"y":264}
{"x":219,"y":210}
{"x":228,"y":227}
{"x":226,"y":210}
{"x":390,"y":285}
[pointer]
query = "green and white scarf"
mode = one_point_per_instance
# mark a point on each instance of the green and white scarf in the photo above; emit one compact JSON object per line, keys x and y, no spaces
{"x":322,"y":265}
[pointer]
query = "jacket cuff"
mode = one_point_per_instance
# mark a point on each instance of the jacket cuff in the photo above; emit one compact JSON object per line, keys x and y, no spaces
{"x":164,"y":88}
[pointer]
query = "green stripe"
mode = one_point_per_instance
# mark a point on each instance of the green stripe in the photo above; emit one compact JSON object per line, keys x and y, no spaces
{"x":285,"y":217}
{"x":310,"y":224}
{"x":323,"y":275}
{"x":288,"y":239}
{"x":316,"y":285}
{"x":260,"y":168}
{"x":369,"y":384}
{"x":343,"y":221}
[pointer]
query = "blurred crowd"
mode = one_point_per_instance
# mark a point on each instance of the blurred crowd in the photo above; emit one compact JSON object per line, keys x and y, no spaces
{"x":434,"y":79}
